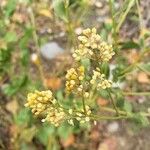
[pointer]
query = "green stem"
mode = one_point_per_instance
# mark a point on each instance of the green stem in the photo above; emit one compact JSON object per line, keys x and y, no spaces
{"x":137,"y":93}
{"x":113,"y":103}
{"x":96,"y":117}
{"x":112,"y":11}
{"x":140,"y":20}
{"x":83,"y":103}
{"x":71,"y":35}
{"x":132,"y":66}
{"x":113,"y":111}
{"x":123,"y":17}
{"x":142,"y":69}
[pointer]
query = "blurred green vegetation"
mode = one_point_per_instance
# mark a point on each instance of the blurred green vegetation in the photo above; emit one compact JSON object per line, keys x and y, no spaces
{"x":19,"y":38}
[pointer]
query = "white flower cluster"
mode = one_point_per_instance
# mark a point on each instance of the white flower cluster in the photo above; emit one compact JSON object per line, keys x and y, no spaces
{"x":55,"y":116}
{"x":43,"y":103}
{"x":39,"y":100}
{"x":99,"y":80}
{"x":80,"y":116}
{"x":74,"y":78}
{"x":91,"y":46}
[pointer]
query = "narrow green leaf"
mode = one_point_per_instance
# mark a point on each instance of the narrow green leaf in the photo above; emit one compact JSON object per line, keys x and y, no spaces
{"x":145,"y":67}
{"x":60,"y":9}
{"x":129,"y":45}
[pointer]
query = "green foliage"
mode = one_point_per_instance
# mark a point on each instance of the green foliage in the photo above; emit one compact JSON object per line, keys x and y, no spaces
{"x":46,"y":133}
{"x":28,"y":134}
{"x":19,"y":80}
{"x":10,"y":37}
{"x":118,"y":72}
{"x":123,"y":12}
{"x":129,"y":45}
{"x":86,"y":63}
{"x":23,"y":46}
{"x":15,"y":85}
{"x":70,"y":10}
{"x":140,"y":120}
{"x":122,"y":103}
{"x":10,"y":8}
{"x":65,"y":130}
{"x":23,"y":118}
{"x":60,"y":8}
{"x":105,"y":69}
{"x":145,"y":67}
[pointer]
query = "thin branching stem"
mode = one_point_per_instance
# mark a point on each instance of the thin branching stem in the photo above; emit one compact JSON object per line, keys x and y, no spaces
{"x":113,"y":102}
{"x":137,"y":93}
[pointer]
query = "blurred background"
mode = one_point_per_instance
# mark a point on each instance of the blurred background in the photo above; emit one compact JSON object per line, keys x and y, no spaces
{"x":37,"y":38}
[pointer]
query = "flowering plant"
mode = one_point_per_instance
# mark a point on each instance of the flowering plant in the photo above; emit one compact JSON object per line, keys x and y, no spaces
{"x":83,"y":83}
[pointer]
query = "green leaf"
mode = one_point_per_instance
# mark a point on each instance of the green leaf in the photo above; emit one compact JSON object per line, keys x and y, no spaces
{"x":129,"y":45}
{"x":127,"y":106}
{"x":117,"y":72}
{"x":23,"y":44}
{"x":15,"y":86}
{"x":26,"y":37}
{"x":5,"y":56}
{"x":105,"y":69}
{"x":145,"y":67}
{"x":141,"y":120}
{"x":10,"y":7}
{"x":27,"y":146}
{"x":60,"y":9}
{"x":59,"y":95}
{"x":10,"y":37}
{"x":86,"y":63}
{"x":45,"y":132}
{"x":104,"y":34}
{"x":123,"y":104}
{"x":104,"y":93}
{"x":24,"y":117}
{"x":65,"y":130}
{"x":25,"y":55}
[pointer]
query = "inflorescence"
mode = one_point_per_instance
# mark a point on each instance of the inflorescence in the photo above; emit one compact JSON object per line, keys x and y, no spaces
{"x":45,"y":105}
{"x":93,"y":47}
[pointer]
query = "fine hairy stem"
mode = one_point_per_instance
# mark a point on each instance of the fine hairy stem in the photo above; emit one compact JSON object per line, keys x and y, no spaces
{"x":137,"y":93}
{"x":108,"y":109}
{"x":123,"y":17}
{"x":113,"y":103}
{"x":96,"y":117}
